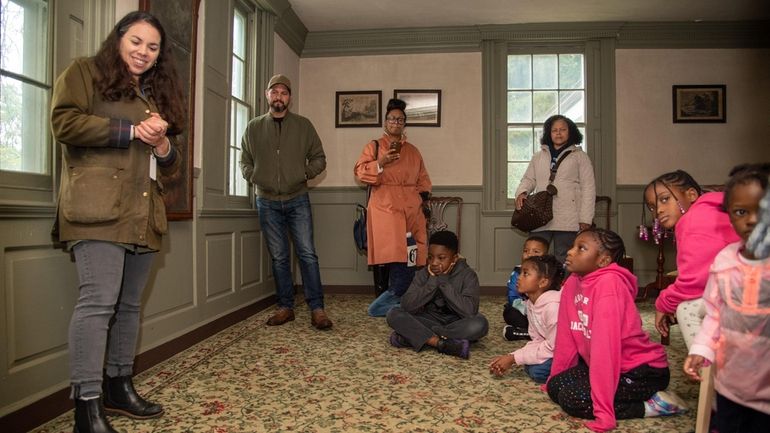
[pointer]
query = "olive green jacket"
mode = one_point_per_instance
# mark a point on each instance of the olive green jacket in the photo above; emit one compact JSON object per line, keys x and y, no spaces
{"x":280,"y":159}
{"x":106,"y":192}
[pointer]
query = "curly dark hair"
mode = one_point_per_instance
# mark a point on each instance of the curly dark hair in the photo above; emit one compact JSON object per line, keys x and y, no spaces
{"x":575,"y":137}
{"x":114,"y":81}
{"x":745,"y":174}
{"x":609,"y":241}
{"x":396,"y":104}
{"x":550,"y":267}
{"x":446,"y":238}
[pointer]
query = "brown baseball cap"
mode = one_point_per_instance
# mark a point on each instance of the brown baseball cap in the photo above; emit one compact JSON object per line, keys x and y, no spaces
{"x":279,"y":79}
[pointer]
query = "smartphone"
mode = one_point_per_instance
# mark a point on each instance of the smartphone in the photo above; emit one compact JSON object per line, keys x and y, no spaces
{"x":396,"y":146}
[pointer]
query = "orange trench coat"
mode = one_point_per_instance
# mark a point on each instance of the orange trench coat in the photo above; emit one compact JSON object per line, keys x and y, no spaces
{"x":395,"y":206}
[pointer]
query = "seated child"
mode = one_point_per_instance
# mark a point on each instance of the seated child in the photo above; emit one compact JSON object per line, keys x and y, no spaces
{"x":514,"y":312}
{"x":540,"y":281}
{"x":736,"y":329}
{"x":604,"y":366}
{"x":441,"y":307}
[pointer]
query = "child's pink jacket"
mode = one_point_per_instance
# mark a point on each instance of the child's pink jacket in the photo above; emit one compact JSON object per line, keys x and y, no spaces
{"x":542,"y":316}
{"x":598,"y":321}
{"x":735,"y":334}
{"x":700,"y":234}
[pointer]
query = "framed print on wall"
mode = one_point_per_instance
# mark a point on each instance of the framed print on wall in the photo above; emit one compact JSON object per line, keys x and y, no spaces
{"x":423,"y":107}
{"x":702,"y":103}
{"x":358,"y":109}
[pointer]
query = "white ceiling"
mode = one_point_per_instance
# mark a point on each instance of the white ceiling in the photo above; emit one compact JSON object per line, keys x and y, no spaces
{"x":320,"y":15}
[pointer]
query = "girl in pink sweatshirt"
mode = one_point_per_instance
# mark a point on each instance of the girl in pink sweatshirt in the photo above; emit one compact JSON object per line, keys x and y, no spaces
{"x":702,"y":229}
{"x":539,"y":282}
{"x":605,"y":367}
{"x":735,"y":334}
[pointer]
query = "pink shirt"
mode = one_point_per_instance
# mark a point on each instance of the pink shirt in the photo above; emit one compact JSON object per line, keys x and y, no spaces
{"x":542,"y":316}
{"x":700,"y":234}
{"x":598,"y":322}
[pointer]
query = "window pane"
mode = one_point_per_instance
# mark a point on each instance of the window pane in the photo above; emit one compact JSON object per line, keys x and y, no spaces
{"x":544,"y":105}
{"x":515,"y":172}
{"x":241,"y":119}
{"x":519,"y":72}
{"x":582,"y":130}
{"x":519,"y":143}
{"x":24,"y":38}
{"x":544,"y":70}
{"x":571,"y":71}
{"x":519,"y":107}
{"x":572,"y":105}
{"x":23,"y":127}
{"x":239,"y":34}
{"x":238,"y":78}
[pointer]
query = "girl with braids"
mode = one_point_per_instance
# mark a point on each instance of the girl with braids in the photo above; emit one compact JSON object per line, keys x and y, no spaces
{"x":115,"y":116}
{"x":605,"y":367}
{"x":735,"y":333}
{"x":539,"y":281}
{"x":701,"y":229}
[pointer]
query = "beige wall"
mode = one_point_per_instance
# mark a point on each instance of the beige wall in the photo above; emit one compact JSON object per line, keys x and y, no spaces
{"x":648,"y":141}
{"x":452,"y":153}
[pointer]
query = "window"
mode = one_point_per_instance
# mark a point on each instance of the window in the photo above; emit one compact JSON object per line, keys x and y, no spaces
{"x":240,"y":108}
{"x":24,"y":87}
{"x":539,"y":86}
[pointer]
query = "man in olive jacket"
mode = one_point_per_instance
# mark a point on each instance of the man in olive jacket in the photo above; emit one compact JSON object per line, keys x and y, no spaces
{"x":280,"y":152}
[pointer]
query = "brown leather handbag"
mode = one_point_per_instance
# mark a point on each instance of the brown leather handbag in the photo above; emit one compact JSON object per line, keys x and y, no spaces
{"x":537,"y":209}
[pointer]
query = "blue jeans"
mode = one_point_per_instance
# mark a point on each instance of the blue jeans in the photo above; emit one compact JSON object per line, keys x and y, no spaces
{"x":278,"y":219}
{"x":539,"y":372}
{"x":383,"y":304}
{"x":106,"y":316}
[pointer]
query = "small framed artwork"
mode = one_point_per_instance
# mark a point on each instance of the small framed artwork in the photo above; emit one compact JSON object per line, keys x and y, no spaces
{"x":423,"y":107}
{"x":358,"y":109}
{"x":700,"y":103}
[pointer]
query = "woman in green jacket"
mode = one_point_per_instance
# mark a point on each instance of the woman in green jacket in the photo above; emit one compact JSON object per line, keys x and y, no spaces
{"x":115,"y":116}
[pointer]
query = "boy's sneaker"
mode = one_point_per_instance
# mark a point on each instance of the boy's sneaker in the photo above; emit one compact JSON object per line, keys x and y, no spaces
{"x":399,"y":341}
{"x":514,"y":333}
{"x":664,"y":403}
{"x":454,"y":347}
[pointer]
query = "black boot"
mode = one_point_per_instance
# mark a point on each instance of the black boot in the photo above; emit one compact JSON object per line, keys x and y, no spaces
{"x":90,"y":418}
{"x":381,"y":274}
{"x":120,"y":398}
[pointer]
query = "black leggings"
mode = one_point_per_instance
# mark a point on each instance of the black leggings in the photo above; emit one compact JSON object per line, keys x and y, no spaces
{"x":514,"y":317}
{"x":736,"y":418}
{"x":571,"y":389}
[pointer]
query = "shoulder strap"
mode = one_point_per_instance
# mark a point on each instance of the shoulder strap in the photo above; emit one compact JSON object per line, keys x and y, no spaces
{"x":369,"y":187}
{"x":556,"y":167}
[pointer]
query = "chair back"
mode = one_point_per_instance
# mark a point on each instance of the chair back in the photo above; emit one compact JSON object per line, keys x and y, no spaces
{"x":437,"y":221}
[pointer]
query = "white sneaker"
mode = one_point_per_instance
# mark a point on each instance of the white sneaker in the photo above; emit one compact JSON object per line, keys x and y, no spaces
{"x":664,"y":403}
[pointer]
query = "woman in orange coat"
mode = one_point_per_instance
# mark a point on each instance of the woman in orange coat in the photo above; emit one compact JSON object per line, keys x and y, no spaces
{"x":400,"y":183}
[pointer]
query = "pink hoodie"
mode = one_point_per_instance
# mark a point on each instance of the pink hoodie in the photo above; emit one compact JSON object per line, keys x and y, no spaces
{"x":542,"y":317}
{"x":701,"y":233}
{"x":599,"y":322}
{"x":542,"y":329}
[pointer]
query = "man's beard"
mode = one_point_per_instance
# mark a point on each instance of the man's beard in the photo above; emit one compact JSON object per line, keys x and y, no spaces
{"x":278,"y":107}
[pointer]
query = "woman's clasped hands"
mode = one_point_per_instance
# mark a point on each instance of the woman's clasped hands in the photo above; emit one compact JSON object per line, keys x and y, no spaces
{"x":152,"y":131}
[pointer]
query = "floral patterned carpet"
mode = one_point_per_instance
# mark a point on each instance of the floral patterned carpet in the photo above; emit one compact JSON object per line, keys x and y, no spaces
{"x":292,"y":378}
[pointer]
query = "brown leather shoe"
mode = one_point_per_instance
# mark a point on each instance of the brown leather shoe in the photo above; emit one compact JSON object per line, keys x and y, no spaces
{"x":320,"y":320}
{"x":281,"y":316}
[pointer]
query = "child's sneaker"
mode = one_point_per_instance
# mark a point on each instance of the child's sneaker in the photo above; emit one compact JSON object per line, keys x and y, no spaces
{"x":399,"y":341}
{"x":514,"y":333}
{"x":454,"y":347}
{"x":664,"y":403}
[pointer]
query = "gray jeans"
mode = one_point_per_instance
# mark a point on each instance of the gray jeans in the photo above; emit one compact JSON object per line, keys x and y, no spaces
{"x":106,"y":316}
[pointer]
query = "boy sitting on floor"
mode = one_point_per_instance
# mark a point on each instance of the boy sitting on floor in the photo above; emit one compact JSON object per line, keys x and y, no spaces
{"x":441,"y":307}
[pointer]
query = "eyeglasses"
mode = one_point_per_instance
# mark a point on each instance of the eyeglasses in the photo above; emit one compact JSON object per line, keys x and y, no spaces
{"x":398,"y":120}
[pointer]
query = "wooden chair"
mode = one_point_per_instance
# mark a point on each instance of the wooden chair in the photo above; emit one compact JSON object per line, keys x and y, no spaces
{"x":436,"y":222}
{"x":706,"y":395}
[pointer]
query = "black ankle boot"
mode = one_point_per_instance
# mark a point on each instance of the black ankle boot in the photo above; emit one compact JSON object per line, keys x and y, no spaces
{"x":120,"y":398}
{"x":381,"y":274}
{"x":90,"y":418}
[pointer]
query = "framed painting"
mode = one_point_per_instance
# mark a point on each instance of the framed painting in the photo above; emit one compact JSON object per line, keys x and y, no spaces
{"x":358,"y":109}
{"x":423,"y":107}
{"x":180,"y":21}
{"x":699,"y":103}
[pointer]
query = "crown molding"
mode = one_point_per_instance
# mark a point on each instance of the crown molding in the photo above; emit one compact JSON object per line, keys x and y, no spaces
{"x":738,"y":34}
{"x":291,"y":29}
